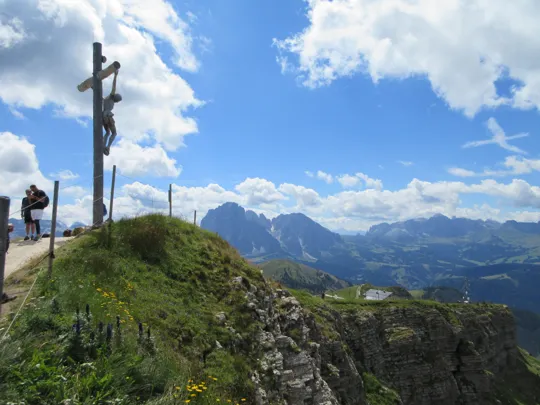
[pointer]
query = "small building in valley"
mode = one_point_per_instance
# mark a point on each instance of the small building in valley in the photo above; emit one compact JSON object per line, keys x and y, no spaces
{"x":377,"y":295}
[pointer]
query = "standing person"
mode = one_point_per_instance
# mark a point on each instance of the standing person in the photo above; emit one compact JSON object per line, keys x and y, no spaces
{"x":27,"y":215}
{"x":39,"y":203}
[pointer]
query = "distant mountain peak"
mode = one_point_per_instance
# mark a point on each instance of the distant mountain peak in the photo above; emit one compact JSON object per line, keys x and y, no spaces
{"x":288,"y":234}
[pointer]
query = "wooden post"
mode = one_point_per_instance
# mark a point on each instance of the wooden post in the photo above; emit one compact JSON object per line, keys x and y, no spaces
{"x":195,"y":218}
{"x":53,"y":227}
{"x":112,"y":192}
{"x":98,"y":136}
{"x":170,"y":200}
{"x":4,"y":222}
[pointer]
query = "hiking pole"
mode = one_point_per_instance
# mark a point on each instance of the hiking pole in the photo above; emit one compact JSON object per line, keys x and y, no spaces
{"x":4,"y":222}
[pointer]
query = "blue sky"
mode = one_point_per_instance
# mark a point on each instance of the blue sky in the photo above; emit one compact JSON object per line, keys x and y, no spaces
{"x":259,"y":122}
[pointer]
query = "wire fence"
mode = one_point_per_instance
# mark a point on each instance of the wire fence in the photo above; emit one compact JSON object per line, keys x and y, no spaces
{"x":146,"y":200}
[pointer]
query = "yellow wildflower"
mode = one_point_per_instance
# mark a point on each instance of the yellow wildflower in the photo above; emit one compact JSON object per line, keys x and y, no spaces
{"x":187,"y":401}
{"x":243,"y":400}
{"x":99,"y":289}
{"x":177,"y":388}
{"x":193,"y":395}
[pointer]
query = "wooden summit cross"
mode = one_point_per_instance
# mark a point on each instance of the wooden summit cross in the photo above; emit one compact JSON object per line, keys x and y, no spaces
{"x":95,"y":83}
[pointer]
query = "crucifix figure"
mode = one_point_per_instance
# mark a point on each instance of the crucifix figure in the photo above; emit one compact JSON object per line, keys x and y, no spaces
{"x":108,"y":121}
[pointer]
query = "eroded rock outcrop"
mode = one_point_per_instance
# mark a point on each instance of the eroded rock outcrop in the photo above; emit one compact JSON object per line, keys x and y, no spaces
{"x":428,"y":353}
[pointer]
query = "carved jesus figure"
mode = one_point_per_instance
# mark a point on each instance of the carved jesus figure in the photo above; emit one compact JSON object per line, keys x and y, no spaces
{"x":108,"y":120}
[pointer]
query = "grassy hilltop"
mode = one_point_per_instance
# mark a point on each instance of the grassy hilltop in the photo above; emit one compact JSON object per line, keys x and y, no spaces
{"x":165,"y":273}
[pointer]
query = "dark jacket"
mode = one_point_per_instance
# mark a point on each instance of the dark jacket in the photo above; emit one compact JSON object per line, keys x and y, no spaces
{"x":25,"y":211}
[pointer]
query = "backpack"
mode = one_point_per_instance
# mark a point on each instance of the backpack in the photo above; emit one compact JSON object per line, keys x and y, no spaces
{"x":46,"y":201}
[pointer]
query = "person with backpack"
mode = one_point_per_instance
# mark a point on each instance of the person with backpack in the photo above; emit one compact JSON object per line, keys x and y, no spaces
{"x":40,"y":201}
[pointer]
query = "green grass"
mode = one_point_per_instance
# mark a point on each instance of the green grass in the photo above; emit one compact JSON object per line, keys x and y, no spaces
{"x":377,"y":393}
{"x":417,"y":294}
{"x":400,"y":333}
{"x":165,"y":273}
{"x":348,"y":293}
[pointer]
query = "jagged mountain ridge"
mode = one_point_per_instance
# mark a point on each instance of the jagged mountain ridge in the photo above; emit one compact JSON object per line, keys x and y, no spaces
{"x":288,"y":235}
{"x":413,"y":253}
{"x":441,"y":226}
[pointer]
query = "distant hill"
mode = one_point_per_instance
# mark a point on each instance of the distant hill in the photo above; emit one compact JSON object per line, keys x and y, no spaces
{"x":300,"y":276}
{"x":514,"y":284}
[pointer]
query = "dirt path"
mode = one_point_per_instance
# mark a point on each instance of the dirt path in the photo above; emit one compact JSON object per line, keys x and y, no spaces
{"x":22,"y":252}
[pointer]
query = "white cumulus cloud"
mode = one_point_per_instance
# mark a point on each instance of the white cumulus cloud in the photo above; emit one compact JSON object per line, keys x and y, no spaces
{"x":462,"y":47}
{"x":259,"y":191}
{"x":135,"y":160}
{"x":19,"y":166}
{"x":351,"y":181}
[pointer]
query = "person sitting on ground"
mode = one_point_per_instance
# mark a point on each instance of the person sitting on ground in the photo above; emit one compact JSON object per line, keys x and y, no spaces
{"x":27,"y":215}
{"x":36,"y":210}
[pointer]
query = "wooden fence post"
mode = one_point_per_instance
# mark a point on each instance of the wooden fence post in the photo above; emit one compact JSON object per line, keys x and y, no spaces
{"x":4,"y":222}
{"x":170,"y":200}
{"x":112,"y":192}
{"x":53,"y":228}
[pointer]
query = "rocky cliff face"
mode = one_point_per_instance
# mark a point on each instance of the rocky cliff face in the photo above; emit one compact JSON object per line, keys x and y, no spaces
{"x":319,"y":352}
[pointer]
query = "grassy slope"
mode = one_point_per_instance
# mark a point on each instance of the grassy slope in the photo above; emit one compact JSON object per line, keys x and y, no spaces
{"x":163,"y":272}
{"x":300,"y":276}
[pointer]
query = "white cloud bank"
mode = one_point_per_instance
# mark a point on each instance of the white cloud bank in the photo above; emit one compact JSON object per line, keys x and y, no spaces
{"x":351,"y":210}
{"x":462,"y":47}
